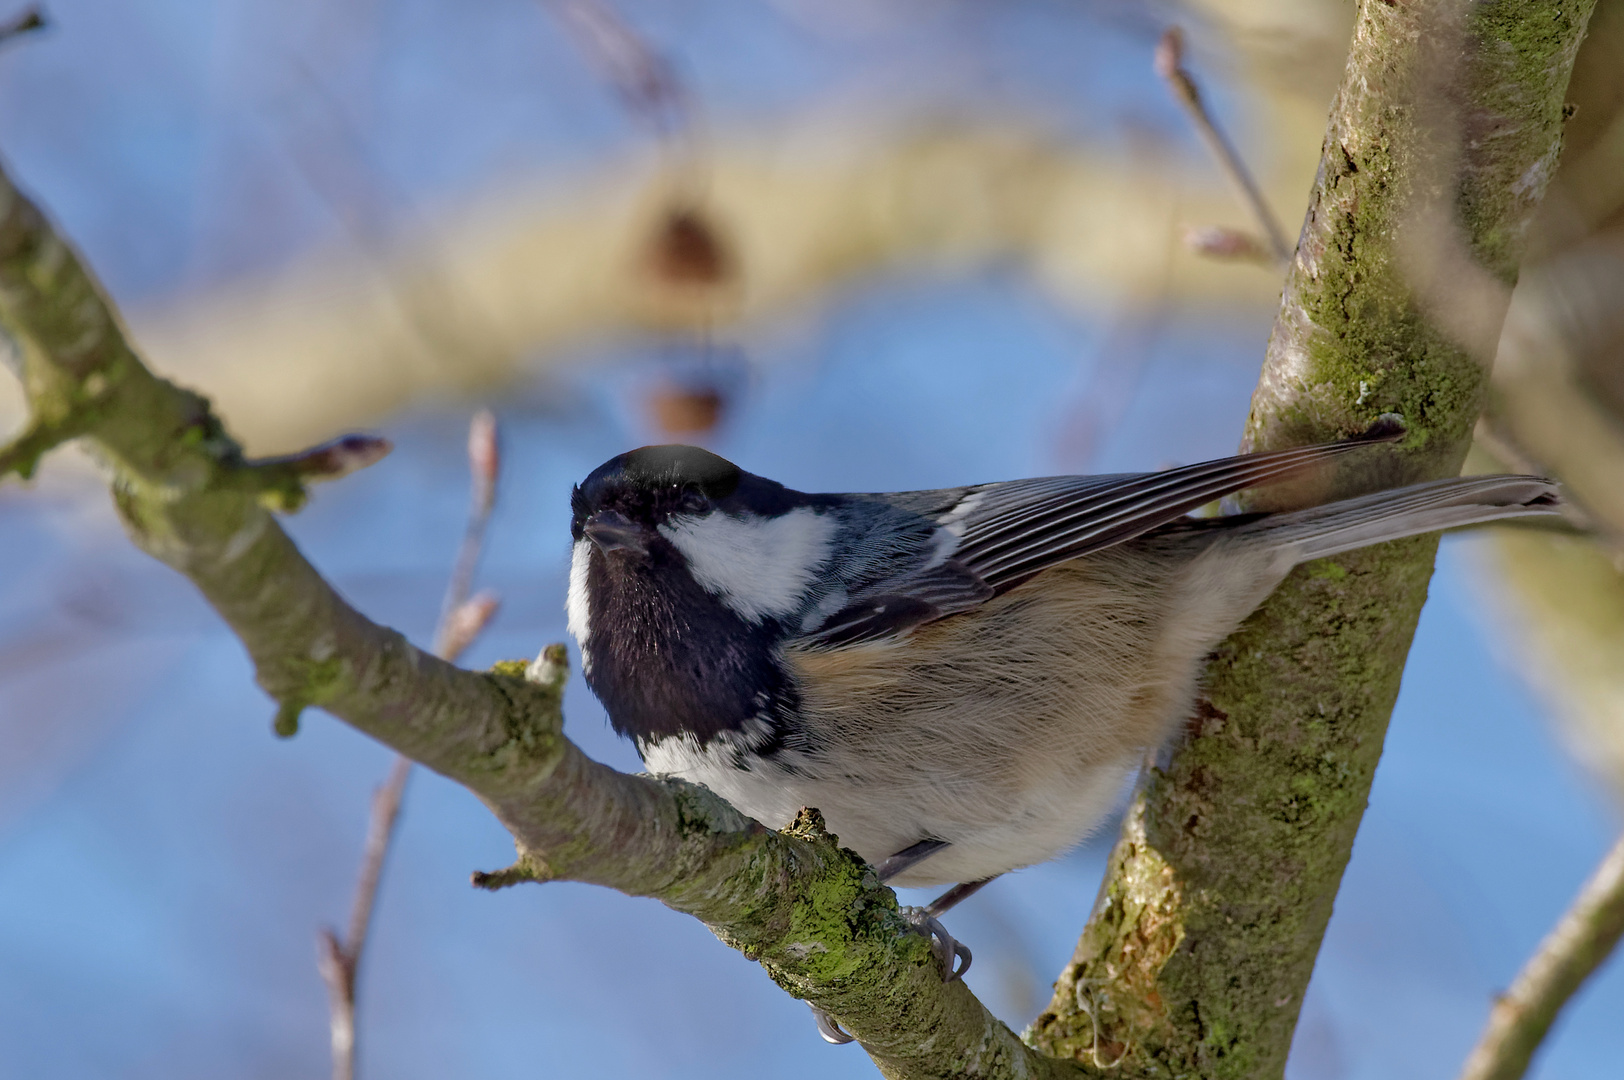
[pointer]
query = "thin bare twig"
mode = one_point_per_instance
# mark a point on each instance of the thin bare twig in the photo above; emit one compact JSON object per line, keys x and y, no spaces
{"x":645,"y":78}
{"x":29,"y":19}
{"x":1584,"y":938}
{"x":1119,"y":369}
{"x":339,"y":960}
{"x":1227,"y":245}
{"x":461,"y":620}
{"x":484,"y":465}
{"x":1170,"y":66}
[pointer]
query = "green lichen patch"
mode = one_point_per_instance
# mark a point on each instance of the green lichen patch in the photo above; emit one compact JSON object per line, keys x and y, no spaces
{"x":1107,"y":1001}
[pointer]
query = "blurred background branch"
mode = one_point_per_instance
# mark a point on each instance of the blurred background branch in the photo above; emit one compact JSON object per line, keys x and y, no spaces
{"x":1170,"y":66}
{"x":1580,"y":943}
{"x":462,"y":619}
{"x":30,"y":18}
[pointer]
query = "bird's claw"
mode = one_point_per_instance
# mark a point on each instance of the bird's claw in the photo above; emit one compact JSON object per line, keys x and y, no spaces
{"x":830,"y":1028}
{"x":948,"y":949}
{"x":952,"y":954}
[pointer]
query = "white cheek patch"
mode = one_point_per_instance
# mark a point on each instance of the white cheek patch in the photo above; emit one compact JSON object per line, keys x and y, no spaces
{"x":576,"y":606}
{"x":760,"y":566}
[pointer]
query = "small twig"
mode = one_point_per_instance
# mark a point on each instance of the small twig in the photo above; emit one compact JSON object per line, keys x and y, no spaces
{"x":644,"y":78}
{"x":1170,"y":66}
{"x":29,"y":19}
{"x":461,"y":620}
{"x":22,"y":454}
{"x":338,"y":960}
{"x":1119,"y":369}
{"x":1227,"y":245}
{"x":282,"y":482}
{"x":1583,"y":939}
{"x":484,"y":465}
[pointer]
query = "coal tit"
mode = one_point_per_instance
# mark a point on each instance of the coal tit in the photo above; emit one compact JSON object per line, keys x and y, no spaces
{"x":961,"y":680}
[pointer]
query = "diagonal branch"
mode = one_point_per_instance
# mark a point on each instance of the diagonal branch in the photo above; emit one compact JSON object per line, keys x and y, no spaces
{"x":1587,"y":935}
{"x":812,"y":914}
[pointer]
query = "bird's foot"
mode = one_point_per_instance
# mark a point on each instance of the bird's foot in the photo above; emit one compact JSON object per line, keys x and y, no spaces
{"x":948,"y":949}
{"x":830,"y":1028}
{"x":952,"y":954}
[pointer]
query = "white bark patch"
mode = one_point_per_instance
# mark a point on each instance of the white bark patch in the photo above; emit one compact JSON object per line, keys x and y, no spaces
{"x":759,"y":566}
{"x":244,"y":538}
{"x":323,"y":648}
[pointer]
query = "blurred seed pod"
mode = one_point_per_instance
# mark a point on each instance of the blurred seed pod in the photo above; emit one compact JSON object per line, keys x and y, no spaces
{"x":686,"y":410}
{"x":687,"y":270}
{"x":1226,"y":244}
{"x":687,"y":252}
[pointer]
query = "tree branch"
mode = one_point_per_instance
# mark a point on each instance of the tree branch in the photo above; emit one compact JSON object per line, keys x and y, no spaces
{"x":1170,"y":66}
{"x":1447,"y":127}
{"x":814,"y":915}
{"x":1585,"y":937}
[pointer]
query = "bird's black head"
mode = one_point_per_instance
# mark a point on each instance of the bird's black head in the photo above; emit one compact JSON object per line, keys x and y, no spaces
{"x":666,"y":645}
{"x":643,"y":488}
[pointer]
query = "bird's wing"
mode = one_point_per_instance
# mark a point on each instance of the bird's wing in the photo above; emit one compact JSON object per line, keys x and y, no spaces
{"x":993,"y":537}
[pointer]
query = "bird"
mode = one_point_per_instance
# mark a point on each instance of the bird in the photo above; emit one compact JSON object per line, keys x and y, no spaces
{"x":961,"y":680}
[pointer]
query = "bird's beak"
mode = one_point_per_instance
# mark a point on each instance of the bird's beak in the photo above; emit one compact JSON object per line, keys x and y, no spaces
{"x":613,"y":532}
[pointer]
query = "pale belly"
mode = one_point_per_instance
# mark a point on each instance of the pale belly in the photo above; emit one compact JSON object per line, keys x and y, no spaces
{"x":1043,"y":820}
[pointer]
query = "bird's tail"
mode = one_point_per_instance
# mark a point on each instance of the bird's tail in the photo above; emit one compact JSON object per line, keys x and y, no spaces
{"x":1422,"y":508}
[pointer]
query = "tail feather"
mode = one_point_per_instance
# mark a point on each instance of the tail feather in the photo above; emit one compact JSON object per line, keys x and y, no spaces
{"x":1392,"y":515}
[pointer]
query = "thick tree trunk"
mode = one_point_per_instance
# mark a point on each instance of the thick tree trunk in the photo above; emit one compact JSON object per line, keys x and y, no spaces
{"x":1445,"y":131}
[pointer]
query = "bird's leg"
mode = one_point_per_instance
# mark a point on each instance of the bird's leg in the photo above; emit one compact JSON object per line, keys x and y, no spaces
{"x":908,"y":858}
{"x":949,"y":951}
{"x":952,"y":897}
{"x":954,"y":957}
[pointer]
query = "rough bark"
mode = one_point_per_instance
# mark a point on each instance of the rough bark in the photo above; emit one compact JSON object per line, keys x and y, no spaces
{"x":1445,"y":130}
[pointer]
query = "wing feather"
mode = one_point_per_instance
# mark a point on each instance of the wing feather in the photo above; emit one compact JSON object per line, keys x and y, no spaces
{"x":1001,"y":534}
{"x":1015,"y":536}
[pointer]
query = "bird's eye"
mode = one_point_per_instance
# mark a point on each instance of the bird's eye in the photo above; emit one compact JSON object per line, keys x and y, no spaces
{"x":692,"y":501}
